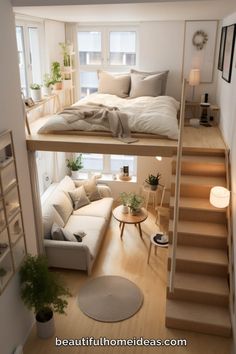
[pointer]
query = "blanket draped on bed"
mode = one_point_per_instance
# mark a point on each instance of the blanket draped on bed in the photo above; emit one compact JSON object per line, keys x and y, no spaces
{"x":103,"y":116}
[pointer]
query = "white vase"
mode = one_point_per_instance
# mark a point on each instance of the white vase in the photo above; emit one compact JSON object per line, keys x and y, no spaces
{"x":125,"y":209}
{"x":75,"y":174}
{"x":36,"y":95}
{"x":47,"y":91}
{"x":45,"y":329}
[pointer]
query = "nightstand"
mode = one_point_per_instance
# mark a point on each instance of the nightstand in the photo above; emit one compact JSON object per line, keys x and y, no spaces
{"x":193,"y":110}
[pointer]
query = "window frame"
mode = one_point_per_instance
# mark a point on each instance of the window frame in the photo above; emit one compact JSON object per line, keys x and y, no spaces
{"x":105,"y":48}
{"x":26,"y":24}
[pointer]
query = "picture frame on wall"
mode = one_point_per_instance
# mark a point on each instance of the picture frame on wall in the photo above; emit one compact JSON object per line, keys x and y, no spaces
{"x":222,"y":48}
{"x":228,"y":53}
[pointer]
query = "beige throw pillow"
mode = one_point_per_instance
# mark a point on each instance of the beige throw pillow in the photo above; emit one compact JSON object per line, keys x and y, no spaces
{"x":114,"y":84}
{"x":148,"y":84}
{"x":63,"y":206}
{"x":91,"y":189}
{"x":79,"y":197}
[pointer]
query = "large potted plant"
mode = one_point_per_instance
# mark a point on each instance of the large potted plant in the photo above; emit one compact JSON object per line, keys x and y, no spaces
{"x":56,"y":75}
{"x":153,"y":181}
{"x":35,"y":92}
{"x":43,"y":292}
{"x":74,"y":165}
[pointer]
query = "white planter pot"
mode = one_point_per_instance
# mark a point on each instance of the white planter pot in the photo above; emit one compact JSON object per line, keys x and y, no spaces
{"x":45,"y":329}
{"x":125,"y":209}
{"x":75,"y":174}
{"x":36,"y":95}
{"x":47,"y":91}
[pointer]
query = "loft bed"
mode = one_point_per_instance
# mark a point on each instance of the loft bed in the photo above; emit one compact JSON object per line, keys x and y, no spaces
{"x":152,"y":121}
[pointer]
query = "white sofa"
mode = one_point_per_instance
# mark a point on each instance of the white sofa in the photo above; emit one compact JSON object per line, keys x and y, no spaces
{"x":92,"y":219}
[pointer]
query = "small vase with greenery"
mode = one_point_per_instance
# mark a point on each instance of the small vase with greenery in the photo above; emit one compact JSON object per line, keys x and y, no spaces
{"x":75,"y":164}
{"x":47,"y":84}
{"x":56,"y":75}
{"x":35,"y":92}
{"x":135,"y":203}
{"x":43,"y":292}
{"x":124,"y":198}
{"x":153,"y":181}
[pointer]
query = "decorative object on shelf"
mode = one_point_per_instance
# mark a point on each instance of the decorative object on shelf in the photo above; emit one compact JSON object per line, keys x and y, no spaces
{"x":75,"y":164}
{"x":47,"y":85}
{"x":228,"y":53}
{"x":204,"y":118}
{"x":35,"y":92}
{"x":199,"y":39}
{"x":135,"y":203}
{"x":56,"y":75}
{"x":222,"y":48}
{"x":29,"y":102}
{"x":16,"y":227}
{"x":153,"y":181}
{"x":67,"y":50}
{"x":194,"y":80}
{"x":124,"y":198}
{"x":219,"y":197}
{"x":43,"y":292}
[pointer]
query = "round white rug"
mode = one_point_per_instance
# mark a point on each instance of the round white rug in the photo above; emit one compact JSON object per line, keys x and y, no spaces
{"x":110,"y":298}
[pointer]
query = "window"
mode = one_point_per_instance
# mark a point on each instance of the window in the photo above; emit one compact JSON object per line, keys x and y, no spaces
{"x":109,"y":164}
{"x":28,"y":38}
{"x":111,"y":49}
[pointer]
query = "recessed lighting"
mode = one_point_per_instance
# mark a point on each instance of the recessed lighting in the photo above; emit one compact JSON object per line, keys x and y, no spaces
{"x":159,"y":158}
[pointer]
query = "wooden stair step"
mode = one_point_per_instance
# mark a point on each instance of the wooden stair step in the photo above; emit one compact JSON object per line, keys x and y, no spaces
{"x":200,"y":234}
{"x":201,"y":180}
{"x":198,"y":317}
{"x":196,"y":204}
{"x":201,"y":288}
{"x":201,"y":165}
{"x":200,"y":260}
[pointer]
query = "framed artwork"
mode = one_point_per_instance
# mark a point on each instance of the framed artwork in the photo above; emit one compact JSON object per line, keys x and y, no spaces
{"x":228,"y":53}
{"x":199,"y":48}
{"x":222,"y":48}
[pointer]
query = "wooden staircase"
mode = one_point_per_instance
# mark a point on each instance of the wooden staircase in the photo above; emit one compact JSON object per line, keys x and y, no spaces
{"x":200,"y":301}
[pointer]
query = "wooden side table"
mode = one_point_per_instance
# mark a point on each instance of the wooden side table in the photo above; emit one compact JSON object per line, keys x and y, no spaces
{"x":148,"y":194}
{"x":129,"y":218}
{"x":153,"y":243}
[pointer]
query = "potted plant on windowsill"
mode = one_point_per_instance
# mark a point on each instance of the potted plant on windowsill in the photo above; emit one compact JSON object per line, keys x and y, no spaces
{"x":43,"y":292}
{"x":56,"y":75}
{"x":135,"y":203}
{"x":35,"y":92}
{"x":153,"y":181}
{"x":75,"y":164}
{"x":47,"y":85}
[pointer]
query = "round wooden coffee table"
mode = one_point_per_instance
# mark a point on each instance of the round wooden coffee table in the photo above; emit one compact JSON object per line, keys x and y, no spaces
{"x":129,"y":218}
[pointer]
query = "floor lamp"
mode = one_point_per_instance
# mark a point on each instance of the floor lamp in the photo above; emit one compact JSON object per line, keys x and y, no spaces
{"x":194,"y":80}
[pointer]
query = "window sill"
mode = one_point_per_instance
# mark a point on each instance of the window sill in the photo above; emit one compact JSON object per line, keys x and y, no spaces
{"x":106,"y":177}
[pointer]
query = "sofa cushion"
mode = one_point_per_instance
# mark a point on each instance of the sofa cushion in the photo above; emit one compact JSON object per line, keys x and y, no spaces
{"x":50,"y":216}
{"x":79,"y":197}
{"x":57,"y":233}
{"x":68,"y":235}
{"x":66,"y":184}
{"x":63,"y":205}
{"x":91,"y":189}
{"x":94,"y":228}
{"x":101,"y":208}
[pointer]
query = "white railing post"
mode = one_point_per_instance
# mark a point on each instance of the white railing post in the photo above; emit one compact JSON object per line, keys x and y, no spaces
{"x":177,"y":187}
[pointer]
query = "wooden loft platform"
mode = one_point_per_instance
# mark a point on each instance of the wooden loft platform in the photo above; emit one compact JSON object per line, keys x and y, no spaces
{"x":206,"y":139}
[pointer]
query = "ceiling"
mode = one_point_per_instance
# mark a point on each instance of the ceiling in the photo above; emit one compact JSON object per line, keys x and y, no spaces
{"x":82,"y":2}
{"x":142,"y":11}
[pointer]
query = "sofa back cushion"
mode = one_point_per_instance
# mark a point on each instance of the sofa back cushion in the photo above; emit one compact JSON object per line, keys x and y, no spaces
{"x":63,"y":205}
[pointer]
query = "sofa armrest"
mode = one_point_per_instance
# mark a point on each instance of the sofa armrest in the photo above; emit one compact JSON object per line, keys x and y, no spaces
{"x":104,"y":190}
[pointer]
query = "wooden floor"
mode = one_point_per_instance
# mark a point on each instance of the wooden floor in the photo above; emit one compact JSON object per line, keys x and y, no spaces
{"x":206,"y":138}
{"x":126,"y":258}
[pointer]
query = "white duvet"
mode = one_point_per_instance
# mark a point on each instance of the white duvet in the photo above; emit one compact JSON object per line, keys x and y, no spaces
{"x":153,"y":115}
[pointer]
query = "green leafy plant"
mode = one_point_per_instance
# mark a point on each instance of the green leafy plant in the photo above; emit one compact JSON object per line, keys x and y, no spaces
{"x":56,"y":72}
{"x":35,"y":86}
{"x":135,"y":201}
{"x":124,"y":198}
{"x":42,"y":290}
{"x":75,"y":164}
{"x":153,"y":180}
{"x":47,"y":80}
{"x":66,"y":53}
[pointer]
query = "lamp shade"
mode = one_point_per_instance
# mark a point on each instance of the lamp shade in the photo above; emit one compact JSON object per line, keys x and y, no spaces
{"x":219,"y":197}
{"x":194,"y":77}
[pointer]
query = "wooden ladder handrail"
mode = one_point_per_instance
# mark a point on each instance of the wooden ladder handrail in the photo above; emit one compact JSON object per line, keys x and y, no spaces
{"x":177,"y":186}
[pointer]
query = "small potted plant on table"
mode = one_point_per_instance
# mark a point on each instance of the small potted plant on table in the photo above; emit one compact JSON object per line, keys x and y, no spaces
{"x":75,"y":164}
{"x":35,"y":92}
{"x":47,"y":85}
{"x":135,"y":203}
{"x":153,"y":181}
{"x":42,"y":291}
{"x":56,"y":75}
{"x":124,"y":198}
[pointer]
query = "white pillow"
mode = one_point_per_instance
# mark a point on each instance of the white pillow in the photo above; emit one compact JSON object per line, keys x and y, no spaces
{"x":114,"y":84}
{"x":63,"y":206}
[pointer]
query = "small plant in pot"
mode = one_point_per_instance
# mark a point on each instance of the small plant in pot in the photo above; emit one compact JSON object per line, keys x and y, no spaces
{"x":153,"y":181}
{"x":43,"y":292}
{"x":124,"y":198}
{"x":47,"y":85}
{"x":56,"y":75}
{"x":75,"y":164}
{"x":35,"y":92}
{"x":66,"y":52}
{"x":135,"y":203}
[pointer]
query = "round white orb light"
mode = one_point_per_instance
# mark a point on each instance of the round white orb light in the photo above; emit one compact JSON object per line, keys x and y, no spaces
{"x":219,"y":197}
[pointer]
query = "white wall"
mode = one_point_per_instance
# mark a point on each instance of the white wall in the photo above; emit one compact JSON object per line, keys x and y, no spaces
{"x":226,"y":100}
{"x":54,"y":34}
{"x":15,"y":320}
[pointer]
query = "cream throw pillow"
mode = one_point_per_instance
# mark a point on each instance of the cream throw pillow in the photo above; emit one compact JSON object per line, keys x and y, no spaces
{"x":63,"y":206}
{"x":148,"y":84}
{"x":79,"y":197}
{"x":91,"y":189}
{"x":114,"y":84}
